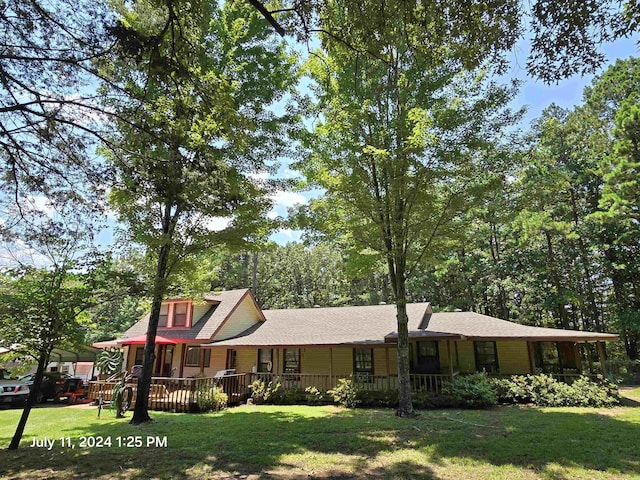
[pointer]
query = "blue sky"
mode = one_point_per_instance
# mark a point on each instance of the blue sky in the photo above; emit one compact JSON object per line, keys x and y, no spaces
{"x":534,"y":94}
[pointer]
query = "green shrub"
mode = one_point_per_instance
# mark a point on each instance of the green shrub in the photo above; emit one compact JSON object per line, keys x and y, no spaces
{"x":211,"y":399}
{"x":425,"y":400}
{"x":546,"y":391}
{"x":345,"y":393}
{"x":314,"y":396}
{"x":515,"y":389}
{"x":471,"y":391}
{"x":263,"y":392}
{"x":383,"y":398}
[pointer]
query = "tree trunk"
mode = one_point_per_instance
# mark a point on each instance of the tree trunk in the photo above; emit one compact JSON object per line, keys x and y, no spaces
{"x":141,"y":409}
{"x":31,"y":399}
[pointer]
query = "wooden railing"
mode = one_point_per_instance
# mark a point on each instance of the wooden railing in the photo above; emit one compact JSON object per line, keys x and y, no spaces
{"x":376,"y":383}
{"x":177,"y":394}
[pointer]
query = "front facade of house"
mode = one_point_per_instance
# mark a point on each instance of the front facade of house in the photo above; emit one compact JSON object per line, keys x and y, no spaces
{"x":319,"y":345}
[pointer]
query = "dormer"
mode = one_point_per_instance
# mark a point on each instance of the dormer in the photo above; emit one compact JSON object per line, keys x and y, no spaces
{"x":176,"y":313}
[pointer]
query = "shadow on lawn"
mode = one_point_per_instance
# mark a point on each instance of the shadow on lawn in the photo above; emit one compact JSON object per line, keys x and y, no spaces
{"x":248,"y":443}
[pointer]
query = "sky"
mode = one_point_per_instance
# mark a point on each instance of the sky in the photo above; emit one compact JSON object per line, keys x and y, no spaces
{"x":534,"y":94}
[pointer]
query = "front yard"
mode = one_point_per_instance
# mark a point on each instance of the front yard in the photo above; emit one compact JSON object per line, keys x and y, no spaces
{"x":329,"y":442}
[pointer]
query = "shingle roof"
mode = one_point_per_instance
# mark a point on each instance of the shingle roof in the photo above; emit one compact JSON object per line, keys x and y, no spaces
{"x":377,"y":324}
{"x":207,"y":318}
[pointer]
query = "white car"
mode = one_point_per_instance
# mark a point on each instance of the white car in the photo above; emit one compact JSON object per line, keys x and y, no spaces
{"x":12,"y":391}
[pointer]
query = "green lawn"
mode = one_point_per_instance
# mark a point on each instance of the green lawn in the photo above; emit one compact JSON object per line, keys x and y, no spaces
{"x":328,"y":442}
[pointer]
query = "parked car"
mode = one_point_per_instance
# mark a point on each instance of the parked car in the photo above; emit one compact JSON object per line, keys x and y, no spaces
{"x":54,"y":385}
{"x":12,"y":391}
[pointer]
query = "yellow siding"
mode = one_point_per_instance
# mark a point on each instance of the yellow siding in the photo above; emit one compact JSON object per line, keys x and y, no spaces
{"x":444,"y":355}
{"x":342,"y":361}
{"x":467,"y":357}
{"x":176,"y":360}
{"x":513,"y":357}
{"x":243,"y":317}
{"x":246,"y":359}
{"x":315,"y":360}
{"x":380,"y":361}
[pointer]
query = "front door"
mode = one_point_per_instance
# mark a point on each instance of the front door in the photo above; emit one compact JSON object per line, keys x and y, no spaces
{"x":163,"y":361}
{"x":427,"y":357}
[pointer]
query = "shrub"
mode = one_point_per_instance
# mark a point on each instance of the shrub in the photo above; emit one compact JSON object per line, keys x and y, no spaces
{"x":314,"y":396}
{"x":263,"y":392}
{"x":383,"y":398}
{"x":211,"y":399}
{"x":471,"y":391}
{"x":546,"y":391}
{"x":345,"y":393}
{"x":424,"y":400}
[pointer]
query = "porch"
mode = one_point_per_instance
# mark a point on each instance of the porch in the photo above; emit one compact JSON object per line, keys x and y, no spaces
{"x":181,"y":394}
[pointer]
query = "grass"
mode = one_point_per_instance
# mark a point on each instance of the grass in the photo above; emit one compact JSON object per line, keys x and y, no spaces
{"x":328,"y":442}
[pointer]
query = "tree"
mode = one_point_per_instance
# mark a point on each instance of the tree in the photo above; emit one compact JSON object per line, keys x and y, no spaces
{"x":209,"y":77}
{"x":45,"y":308}
{"x":405,"y":142}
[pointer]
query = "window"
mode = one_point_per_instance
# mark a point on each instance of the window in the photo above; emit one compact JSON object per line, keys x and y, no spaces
{"x":139,"y":356}
{"x":231,"y":359}
{"x":180,"y":314}
{"x":164,"y":313}
{"x":193,"y":355}
{"x":265,"y":360}
{"x":363,"y":361}
{"x":291,"y":360}
{"x":486,"y":356}
{"x":547,"y":357}
{"x":192,"y":358}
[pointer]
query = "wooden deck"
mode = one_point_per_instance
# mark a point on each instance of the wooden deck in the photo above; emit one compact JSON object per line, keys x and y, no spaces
{"x":180,"y":394}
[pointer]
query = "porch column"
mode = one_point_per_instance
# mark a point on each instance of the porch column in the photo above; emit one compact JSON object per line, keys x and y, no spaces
{"x":532,"y":363}
{"x":386,"y":353}
{"x":450,"y":358}
{"x":330,"y":367}
{"x":601,"y":356}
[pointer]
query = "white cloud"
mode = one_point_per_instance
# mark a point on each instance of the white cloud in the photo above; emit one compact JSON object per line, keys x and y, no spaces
{"x":288,"y":199}
{"x":41,"y":204}
{"x":259,"y":176}
{"x":217,"y":223}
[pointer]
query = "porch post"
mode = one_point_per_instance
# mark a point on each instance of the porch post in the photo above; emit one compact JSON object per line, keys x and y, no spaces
{"x":450,"y":358}
{"x":589,"y":357}
{"x":532,"y":364}
{"x":386,"y":352}
{"x":601,"y":356}
{"x":331,"y":367}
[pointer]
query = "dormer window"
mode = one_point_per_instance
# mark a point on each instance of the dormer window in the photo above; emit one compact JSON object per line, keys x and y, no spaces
{"x":164,"y":314}
{"x":180,"y":311}
{"x":175,"y":314}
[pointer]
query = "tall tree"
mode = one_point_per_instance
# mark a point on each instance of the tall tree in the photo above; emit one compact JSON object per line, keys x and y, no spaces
{"x":45,"y":308}
{"x":405,"y":141}
{"x":209,"y":77}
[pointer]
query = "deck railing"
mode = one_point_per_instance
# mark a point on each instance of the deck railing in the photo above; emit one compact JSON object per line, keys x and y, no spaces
{"x":376,"y":383}
{"x":182,"y":394}
{"x":176,"y":394}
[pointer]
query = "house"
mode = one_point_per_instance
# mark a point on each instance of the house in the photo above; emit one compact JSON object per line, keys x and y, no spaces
{"x":315,"y":346}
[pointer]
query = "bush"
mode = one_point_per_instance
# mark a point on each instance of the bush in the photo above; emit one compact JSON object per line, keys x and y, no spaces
{"x":384,"y":398}
{"x":471,"y":391}
{"x":345,"y":393}
{"x":263,"y":392}
{"x":211,"y":399}
{"x":424,"y":400}
{"x":546,"y":391}
{"x":314,"y":396}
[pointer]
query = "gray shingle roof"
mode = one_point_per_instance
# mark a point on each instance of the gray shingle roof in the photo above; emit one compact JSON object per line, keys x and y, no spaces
{"x":207,"y":318}
{"x":377,"y":324}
